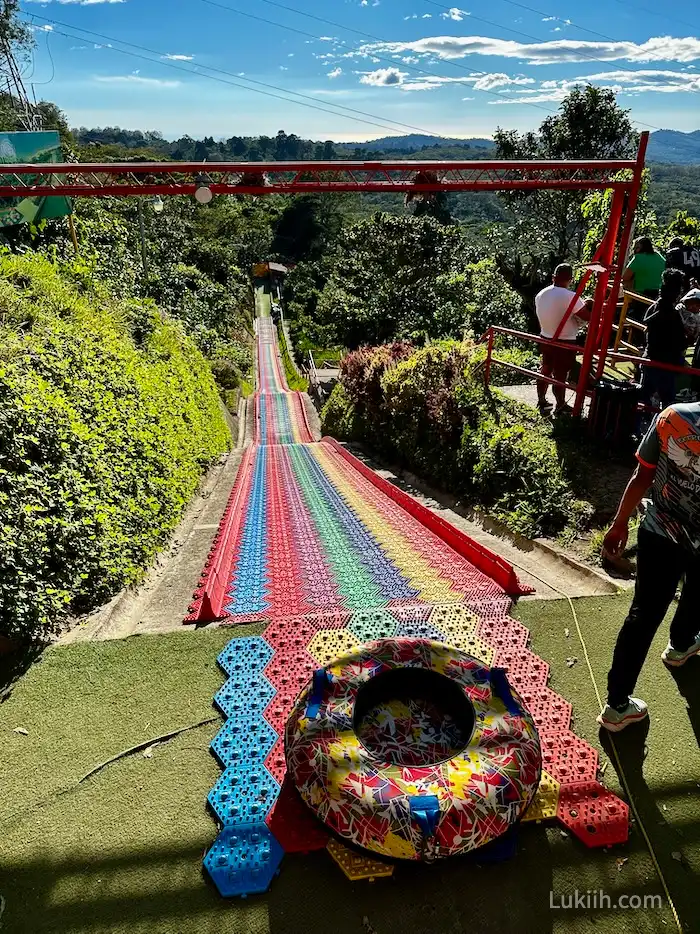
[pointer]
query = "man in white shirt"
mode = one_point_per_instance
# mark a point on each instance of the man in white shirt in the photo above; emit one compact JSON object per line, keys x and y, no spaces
{"x":551,"y":305}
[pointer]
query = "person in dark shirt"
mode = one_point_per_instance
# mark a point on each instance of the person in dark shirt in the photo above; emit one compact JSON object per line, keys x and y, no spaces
{"x":668,"y":547}
{"x":682,"y":256}
{"x":666,"y":340}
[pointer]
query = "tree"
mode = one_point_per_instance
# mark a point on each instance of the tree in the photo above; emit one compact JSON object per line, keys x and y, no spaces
{"x":434,"y":206}
{"x":15,"y":31}
{"x":549,"y":226}
{"x":306,"y":227}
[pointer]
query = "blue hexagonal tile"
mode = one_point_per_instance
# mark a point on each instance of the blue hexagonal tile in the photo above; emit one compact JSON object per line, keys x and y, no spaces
{"x":244,"y":654}
{"x":420,"y":630}
{"x":244,"y":794}
{"x":243,"y":694}
{"x":243,"y":860}
{"x":247,"y":739}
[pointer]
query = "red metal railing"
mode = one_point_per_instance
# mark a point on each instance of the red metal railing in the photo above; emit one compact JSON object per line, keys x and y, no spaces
{"x":260,"y":178}
{"x":489,"y":338}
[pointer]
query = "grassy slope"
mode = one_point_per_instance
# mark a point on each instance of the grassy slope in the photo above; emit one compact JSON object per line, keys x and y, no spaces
{"x":122,"y":853}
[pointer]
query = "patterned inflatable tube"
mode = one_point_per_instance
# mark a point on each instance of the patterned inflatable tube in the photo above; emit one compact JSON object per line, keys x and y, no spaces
{"x":413,"y":750}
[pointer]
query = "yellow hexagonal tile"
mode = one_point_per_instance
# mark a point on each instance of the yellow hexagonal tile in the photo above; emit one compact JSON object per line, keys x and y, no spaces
{"x":544,"y":804}
{"x":328,"y":644}
{"x":357,"y":867}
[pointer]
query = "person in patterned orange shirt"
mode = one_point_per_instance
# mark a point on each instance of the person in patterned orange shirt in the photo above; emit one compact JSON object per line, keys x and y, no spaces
{"x":668,"y":551}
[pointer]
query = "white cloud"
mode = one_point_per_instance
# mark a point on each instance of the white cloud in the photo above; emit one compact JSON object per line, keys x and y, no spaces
{"x":136,"y":80}
{"x":178,"y":58}
{"x":336,"y":73}
{"x":455,"y":13}
{"x":327,"y":39}
{"x":548,"y":19}
{"x":467,"y":98}
{"x":427,"y":16}
{"x":498,"y":80}
{"x":364,"y":3}
{"x":283,"y":68}
{"x":657,"y":49}
{"x":410,"y":59}
{"x":479,"y":82}
{"x":383,"y":77}
{"x":621,"y":82}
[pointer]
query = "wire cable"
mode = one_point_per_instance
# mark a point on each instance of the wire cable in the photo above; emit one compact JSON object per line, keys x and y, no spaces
{"x":366,"y":35}
{"x":196,"y":70}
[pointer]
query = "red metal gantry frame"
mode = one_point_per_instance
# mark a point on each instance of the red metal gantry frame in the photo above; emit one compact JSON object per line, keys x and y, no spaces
{"x":622,"y":176}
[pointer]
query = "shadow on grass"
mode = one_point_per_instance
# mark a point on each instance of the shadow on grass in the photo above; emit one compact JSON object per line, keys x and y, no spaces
{"x":627,"y":751}
{"x":15,"y":664}
{"x":687,"y":678}
{"x":164,"y":890}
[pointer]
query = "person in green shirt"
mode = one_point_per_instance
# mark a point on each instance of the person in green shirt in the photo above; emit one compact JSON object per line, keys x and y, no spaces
{"x":643,"y":274}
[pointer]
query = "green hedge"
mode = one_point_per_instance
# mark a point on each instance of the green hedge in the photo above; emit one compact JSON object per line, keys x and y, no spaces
{"x":430,"y":411}
{"x":108,"y":415}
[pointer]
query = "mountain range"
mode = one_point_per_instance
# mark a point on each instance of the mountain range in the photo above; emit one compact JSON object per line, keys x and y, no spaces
{"x":667,"y":146}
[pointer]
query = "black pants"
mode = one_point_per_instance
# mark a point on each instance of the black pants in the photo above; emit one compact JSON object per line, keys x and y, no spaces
{"x":660,"y":566}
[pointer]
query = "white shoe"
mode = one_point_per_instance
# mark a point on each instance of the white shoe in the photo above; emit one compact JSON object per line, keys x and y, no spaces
{"x":675,"y":659}
{"x":616,"y":720}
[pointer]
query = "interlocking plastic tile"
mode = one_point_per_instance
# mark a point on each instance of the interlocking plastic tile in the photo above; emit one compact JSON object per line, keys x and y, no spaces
{"x":276,"y":764}
{"x":368,"y":625}
{"x":567,"y":758}
{"x":244,"y":695}
{"x":293,"y":824}
{"x":357,"y":867}
{"x":546,"y":801}
{"x":244,"y":740}
{"x":548,"y":709}
{"x":243,"y":860}
{"x":593,"y":814}
{"x":247,"y":652}
{"x":243,"y":794}
{"x":331,"y":643}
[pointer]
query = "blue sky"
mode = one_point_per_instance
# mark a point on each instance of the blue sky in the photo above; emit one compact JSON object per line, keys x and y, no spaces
{"x":452,"y":71}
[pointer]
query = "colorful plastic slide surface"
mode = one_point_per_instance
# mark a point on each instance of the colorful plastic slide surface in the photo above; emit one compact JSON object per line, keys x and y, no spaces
{"x":329,"y":556}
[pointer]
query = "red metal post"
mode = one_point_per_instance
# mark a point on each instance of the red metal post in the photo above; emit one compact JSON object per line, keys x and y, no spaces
{"x":600,"y":325}
{"x":489,"y":351}
{"x":633,"y":198}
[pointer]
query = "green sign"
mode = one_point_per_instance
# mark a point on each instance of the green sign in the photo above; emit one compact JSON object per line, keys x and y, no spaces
{"x":39,"y":147}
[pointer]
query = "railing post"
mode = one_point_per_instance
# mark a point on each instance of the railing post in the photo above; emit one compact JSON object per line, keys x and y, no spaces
{"x":489,"y":352}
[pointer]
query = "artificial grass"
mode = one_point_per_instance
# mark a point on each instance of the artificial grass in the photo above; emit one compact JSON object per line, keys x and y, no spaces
{"x":122,"y":852}
{"x":661,"y":761}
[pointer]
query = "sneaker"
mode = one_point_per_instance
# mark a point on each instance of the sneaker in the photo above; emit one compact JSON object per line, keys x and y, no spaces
{"x":545,"y":407}
{"x":673,"y":657}
{"x":563,"y":410}
{"x":615,"y":720}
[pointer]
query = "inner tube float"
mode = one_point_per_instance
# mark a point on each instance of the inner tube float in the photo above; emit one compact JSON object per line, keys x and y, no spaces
{"x":413,"y":750}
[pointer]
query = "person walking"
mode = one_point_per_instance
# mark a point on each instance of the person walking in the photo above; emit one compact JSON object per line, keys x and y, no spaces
{"x":551,"y":306}
{"x":668,"y":549}
{"x":643,"y":274}
{"x":666,"y":340}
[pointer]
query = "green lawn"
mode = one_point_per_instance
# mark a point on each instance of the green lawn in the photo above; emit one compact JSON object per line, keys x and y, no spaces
{"x":122,"y":851}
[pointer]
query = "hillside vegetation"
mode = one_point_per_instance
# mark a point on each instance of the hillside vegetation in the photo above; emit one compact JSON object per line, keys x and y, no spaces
{"x":108,"y":415}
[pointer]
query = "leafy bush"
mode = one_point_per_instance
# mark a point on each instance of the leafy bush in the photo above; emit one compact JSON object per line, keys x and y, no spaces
{"x":294,"y":380}
{"x":340,"y":417}
{"x":430,"y":410}
{"x":108,"y":414}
